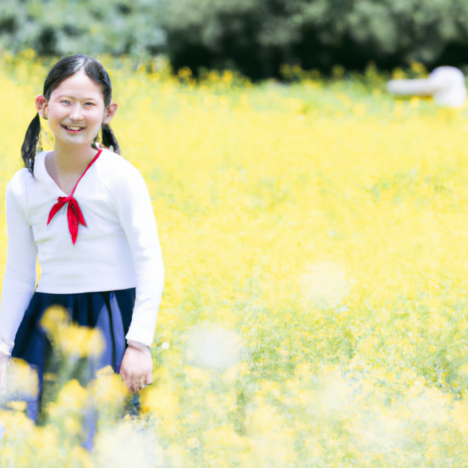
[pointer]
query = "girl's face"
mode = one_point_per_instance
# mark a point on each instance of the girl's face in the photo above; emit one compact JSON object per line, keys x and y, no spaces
{"x":76,"y":110}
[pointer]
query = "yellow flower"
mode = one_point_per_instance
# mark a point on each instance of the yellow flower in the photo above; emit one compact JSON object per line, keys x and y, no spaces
{"x":72,"y":395}
{"x":324,"y":224}
{"x":161,"y":402}
{"x":81,"y":341}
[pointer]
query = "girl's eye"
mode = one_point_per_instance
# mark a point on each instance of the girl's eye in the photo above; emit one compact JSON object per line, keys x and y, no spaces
{"x":89,"y":103}
{"x":65,"y":102}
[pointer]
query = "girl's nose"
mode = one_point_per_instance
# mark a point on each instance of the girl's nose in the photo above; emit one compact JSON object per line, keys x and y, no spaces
{"x":76,"y":114}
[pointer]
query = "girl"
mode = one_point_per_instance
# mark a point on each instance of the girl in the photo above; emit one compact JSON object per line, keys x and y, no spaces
{"x":86,"y":213}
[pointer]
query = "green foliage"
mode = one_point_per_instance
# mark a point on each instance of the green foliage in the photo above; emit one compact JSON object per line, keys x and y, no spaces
{"x":61,"y":27}
{"x":254,"y":37}
{"x":257,"y":36}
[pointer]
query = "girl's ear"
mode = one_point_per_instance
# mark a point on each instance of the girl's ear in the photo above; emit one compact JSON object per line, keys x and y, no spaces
{"x":110,"y":112}
{"x":42,"y":106}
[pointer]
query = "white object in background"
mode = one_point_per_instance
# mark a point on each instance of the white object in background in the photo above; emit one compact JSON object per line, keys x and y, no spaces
{"x":451,"y":87}
{"x":445,"y":84}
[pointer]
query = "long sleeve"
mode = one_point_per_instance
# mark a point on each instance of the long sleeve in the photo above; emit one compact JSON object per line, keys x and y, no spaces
{"x":20,"y":273}
{"x":137,"y":218}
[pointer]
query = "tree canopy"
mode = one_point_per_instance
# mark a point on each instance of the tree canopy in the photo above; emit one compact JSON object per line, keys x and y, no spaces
{"x":62,"y":27}
{"x":254,"y":37}
{"x":257,"y":36}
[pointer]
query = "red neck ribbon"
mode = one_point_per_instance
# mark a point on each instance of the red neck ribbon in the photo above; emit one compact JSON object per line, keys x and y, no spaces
{"x":74,"y":214}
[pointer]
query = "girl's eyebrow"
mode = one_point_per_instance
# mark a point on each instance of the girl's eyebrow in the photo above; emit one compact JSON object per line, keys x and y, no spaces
{"x":72,"y":97}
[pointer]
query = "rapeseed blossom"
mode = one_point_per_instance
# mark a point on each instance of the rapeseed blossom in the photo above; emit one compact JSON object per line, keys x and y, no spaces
{"x":315,"y":307}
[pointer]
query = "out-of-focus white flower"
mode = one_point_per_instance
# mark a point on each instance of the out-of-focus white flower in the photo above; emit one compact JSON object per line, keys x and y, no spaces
{"x":21,"y":382}
{"x":165,"y":345}
{"x":213,"y":348}
{"x":325,"y":281}
{"x":128,"y":445}
{"x":336,"y":393}
{"x":378,"y":432}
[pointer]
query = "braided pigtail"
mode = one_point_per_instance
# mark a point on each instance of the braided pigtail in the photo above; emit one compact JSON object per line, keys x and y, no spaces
{"x":32,"y":143}
{"x":108,"y":138}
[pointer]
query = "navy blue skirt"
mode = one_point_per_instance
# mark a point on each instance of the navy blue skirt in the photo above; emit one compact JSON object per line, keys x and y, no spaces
{"x":110,"y":311}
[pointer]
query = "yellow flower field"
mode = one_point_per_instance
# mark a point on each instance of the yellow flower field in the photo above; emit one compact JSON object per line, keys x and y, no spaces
{"x":315,"y":309}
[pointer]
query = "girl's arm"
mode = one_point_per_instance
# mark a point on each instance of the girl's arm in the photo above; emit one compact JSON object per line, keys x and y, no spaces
{"x":137,"y":218}
{"x":19,"y":280}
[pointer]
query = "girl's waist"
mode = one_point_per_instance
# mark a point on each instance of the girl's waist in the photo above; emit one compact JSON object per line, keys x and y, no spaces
{"x":86,"y":269}
{"x":94,"y":280}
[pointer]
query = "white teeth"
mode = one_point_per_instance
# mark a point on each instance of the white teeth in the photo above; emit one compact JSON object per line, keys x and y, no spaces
{"x":73,"y":128}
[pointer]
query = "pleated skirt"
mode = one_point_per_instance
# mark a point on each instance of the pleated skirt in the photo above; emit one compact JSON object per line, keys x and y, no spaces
{"x":110,"y":311}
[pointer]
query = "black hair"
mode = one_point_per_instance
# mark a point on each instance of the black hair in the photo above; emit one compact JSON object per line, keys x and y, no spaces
{"x":62,"y":70}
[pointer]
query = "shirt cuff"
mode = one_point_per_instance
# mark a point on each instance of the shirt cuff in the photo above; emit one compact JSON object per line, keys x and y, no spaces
{"x":140,"y":334}
{"x":6,"y":347}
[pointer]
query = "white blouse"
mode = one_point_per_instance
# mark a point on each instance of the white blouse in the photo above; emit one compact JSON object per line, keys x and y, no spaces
{"x":117,"y":249}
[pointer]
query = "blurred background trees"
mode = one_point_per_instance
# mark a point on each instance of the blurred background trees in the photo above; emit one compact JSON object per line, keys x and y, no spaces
{"x":254,"y":37}
{"x":62,"y":27}
{"x":257,"y":36}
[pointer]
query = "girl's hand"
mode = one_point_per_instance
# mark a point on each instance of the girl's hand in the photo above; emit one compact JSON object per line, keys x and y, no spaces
{"x":137,"y":367}
{"x":4,"y":359}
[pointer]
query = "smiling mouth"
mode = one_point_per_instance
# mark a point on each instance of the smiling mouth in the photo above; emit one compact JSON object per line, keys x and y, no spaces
{"x":73,"y":129}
